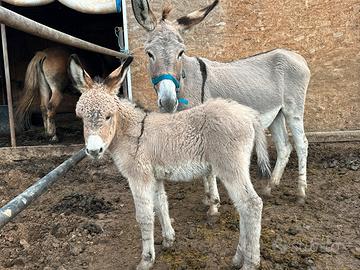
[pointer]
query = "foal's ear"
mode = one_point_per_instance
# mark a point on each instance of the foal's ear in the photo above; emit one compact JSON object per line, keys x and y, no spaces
{"x":115,"y":79}
{"x":79,"y":77}
{"x":143,"y":14}
{"x":193,"y":18}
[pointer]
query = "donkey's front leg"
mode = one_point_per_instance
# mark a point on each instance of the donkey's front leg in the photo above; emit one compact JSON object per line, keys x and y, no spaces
{"x":143,"y":193}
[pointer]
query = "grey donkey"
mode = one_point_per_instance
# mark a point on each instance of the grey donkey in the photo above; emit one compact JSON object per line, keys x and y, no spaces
{"x":148,"y":148}
{"x":273,"y":83}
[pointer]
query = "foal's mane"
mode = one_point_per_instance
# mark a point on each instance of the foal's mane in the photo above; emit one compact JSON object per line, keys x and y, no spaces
{"x":166,"y":11}
{"x":141,"y":107}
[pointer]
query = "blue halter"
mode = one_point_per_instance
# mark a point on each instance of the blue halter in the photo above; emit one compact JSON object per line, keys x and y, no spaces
{"x":170,"y":77}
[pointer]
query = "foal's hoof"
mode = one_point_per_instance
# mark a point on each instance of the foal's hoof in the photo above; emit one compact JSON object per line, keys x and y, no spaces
{"x":266,"y":192}
{"x":168,"y":243}
{"x":206,"y":200}
{"x":301,"y":200}
{"x":238,"y":261}
{"x":145,"y":265}
{"x":213,"y":211}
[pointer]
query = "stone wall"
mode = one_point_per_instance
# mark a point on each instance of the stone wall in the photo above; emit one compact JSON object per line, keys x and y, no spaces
{"x":325,"y":32}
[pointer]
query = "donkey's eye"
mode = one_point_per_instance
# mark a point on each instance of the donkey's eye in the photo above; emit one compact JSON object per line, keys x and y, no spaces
{"x":180,"y":55}
{"x":108,"y":117}
{"x":150,"y":55}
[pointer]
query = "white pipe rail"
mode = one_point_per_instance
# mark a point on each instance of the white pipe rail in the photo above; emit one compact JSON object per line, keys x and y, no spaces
{"x":28,"y":3}
{"x":84,"y":6}
{"x":92,"y":6}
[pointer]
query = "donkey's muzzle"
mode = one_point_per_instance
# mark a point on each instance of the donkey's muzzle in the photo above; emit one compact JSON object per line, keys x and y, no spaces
{"x":167,"y":99}
{"x":168,"y":105}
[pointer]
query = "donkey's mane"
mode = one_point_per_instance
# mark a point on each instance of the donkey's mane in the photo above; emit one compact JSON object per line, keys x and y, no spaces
{"x":166,"y":11}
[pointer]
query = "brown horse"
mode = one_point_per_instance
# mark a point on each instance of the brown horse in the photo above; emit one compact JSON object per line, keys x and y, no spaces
{"x":46,"y":74}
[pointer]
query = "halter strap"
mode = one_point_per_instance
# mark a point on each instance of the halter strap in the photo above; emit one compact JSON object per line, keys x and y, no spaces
{"x":161,"y":77}
{"x":170,"y":77}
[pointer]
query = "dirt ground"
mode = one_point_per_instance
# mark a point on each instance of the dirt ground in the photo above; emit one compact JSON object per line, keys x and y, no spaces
{"x":68,"y":128}
{"x":87,"y":221}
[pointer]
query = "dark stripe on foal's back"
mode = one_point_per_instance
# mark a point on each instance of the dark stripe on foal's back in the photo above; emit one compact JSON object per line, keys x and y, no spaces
{"x":204,"y":77}
{"x":141,"y":132}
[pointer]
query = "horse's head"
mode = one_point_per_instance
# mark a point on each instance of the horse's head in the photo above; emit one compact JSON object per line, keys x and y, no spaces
{"x":165,"y":48}
{"x":97,"y":105}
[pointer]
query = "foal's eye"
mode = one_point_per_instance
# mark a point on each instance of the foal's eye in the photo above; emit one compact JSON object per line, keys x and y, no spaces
{"x":150,"y":55}
{"x":108,"y":118}
{"x":180,"y":55}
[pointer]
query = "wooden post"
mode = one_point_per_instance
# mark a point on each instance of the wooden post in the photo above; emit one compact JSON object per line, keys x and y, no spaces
{"x":8,"y":85}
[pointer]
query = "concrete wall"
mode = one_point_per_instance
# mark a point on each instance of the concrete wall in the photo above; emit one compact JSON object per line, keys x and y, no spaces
{"x":325,"y":32}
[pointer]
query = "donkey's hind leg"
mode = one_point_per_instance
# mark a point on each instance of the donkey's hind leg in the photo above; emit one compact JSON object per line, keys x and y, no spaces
{"x":54,"y":103}
{"x":162,"y":211}
{"x":283,"y":150}
{"x":249,"y":205}
{"x":212,"y":198}
{"x":296,"y":125}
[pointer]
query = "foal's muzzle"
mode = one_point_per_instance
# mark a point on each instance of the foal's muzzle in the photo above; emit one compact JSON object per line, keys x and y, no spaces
{"x":94,"y":153}
{"x":95,"y":146}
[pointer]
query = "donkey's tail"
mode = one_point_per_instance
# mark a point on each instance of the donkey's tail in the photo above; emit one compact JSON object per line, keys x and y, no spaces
{"x":261,"y":150}
{"x":31,"y":90}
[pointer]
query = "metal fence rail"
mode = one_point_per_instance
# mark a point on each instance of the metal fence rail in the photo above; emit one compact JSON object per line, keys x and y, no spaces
{"x":23,"y":200}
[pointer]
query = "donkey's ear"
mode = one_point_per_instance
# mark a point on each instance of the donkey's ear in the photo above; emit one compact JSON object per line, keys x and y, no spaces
{"x":115,"y":79}
{"x":79,"y":77}
{"x":188,"y":21}
{"x":143,"y":14}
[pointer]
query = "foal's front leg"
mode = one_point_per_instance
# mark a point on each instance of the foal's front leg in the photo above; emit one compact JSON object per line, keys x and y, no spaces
{"x":143,"y":193}
{"x":162,"y":211}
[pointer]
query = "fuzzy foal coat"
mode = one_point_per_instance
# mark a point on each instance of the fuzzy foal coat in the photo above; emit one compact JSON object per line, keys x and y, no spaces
{"x":216,"y":137}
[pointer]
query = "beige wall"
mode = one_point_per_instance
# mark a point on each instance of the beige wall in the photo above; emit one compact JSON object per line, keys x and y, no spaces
{"x":325,"y":32}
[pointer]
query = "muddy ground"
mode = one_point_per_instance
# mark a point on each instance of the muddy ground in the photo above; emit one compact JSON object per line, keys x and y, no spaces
{"x":87,"y":221}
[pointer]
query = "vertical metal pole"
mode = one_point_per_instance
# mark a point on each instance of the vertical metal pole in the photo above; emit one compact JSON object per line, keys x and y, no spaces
{"x":126,"y":47}
{"x":3,"y":96}
{"x":121,"y":43}
{"x":8,"y":85}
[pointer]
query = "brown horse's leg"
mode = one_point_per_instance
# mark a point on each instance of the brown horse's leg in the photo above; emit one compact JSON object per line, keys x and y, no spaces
{"x":54,"y":103}
{"x":44,"y":101}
